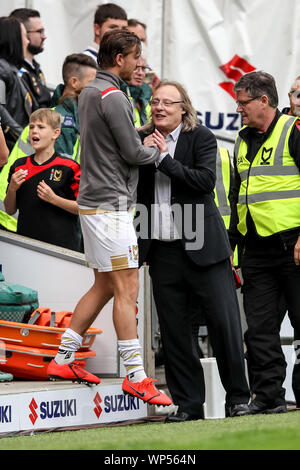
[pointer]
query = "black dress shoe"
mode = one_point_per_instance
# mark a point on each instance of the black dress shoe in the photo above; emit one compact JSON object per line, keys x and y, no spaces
{"x":181,"y":416}
{"x":240,"y":409}
{"x":257,"y":407}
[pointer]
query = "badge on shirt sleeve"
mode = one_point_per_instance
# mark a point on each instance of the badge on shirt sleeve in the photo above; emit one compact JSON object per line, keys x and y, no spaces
{"x":68,"y":121}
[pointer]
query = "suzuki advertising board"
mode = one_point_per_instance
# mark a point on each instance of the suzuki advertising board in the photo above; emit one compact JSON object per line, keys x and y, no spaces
{"x":76,"y":406}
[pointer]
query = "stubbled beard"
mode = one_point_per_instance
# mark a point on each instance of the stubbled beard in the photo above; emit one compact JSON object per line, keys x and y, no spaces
{"x":34,"y":50}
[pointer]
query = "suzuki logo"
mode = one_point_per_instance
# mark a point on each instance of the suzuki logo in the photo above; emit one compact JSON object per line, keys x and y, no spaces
{"x":33,"y":415}
{"x":234,"y":70}
{"x":98,"y":409}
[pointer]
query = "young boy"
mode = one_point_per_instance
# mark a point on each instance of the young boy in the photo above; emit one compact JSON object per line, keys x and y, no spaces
{"x":44,"y":187}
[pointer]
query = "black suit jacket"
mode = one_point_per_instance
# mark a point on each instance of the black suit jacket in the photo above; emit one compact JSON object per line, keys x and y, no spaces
{"x":193,"y":175}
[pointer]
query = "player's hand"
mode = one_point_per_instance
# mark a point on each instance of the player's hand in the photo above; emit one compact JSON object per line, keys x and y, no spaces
{"x":149,"y":141}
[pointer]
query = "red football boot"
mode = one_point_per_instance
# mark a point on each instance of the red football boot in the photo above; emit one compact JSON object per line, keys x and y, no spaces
{"x":72,"y":371}
{"x":146,"y":391}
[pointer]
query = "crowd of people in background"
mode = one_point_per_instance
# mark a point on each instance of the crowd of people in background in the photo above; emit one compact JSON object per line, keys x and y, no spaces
{"x":40,"y":158}
{"x":23,"y":90}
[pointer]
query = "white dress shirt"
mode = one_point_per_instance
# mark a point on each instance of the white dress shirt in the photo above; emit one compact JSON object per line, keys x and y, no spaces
{"x":164,"y":227}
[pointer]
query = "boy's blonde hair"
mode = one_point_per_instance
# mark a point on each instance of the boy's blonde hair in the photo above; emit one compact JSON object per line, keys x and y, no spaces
{"x":50,"y":116}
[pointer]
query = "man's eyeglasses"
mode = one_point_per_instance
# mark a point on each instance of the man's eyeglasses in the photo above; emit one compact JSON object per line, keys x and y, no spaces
{"x":143,"y":69}
{"x":242,"y":104}
{"x":165,"y":103}
{"x":295,"y":94}
{"x":39,"y":31}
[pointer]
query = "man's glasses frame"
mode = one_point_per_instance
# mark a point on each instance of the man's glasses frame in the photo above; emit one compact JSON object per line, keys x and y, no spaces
{"x":40,"y":31}
{"x":242,"y":104}
{"x":165,"y":103}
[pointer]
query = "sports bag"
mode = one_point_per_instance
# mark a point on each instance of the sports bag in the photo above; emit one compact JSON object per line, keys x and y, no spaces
{"x":16,"y":302}
{"x":45,"y":317}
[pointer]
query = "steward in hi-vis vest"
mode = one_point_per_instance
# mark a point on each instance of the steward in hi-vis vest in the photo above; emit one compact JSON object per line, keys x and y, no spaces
{"x":266,"y":220}
{"x":270,"y":185}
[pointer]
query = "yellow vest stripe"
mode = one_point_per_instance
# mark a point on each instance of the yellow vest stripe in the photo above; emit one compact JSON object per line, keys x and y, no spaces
{"x":223,"y":184}
{"x":269,"y":196}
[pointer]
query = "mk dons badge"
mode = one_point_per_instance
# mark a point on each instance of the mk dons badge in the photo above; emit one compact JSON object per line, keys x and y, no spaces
{"x":57,"y":175}
{"x":266,"y":155}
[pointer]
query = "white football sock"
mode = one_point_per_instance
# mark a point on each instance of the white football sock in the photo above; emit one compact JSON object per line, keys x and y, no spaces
{"x":130,"y":352}
{"x":70,"y":343}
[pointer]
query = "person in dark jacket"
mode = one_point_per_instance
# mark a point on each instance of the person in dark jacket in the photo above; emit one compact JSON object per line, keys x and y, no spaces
{"x":188,"y":253}
{"x":32,"y":74}
{"x":15,"y":99}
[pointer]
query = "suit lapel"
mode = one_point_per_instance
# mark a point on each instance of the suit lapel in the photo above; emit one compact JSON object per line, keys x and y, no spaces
{"x":182,"y":147}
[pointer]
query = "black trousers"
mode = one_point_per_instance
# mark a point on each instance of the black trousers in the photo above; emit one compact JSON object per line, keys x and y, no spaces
{"x":178,"y":284}
{"x":268,"y":280}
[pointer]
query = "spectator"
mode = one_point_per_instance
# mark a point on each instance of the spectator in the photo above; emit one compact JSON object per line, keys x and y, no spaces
{"x":111,"y":152}
{"x":4,"y":377}
{"x":77,"y":71}
{"x":6,"y":221}
{"x":3,"y":148}
{"x":189,"y":269}
{"x":294,"y":97}
{"x":44,"y":187}
{"x":293,"y":110}
{"x":267,"y":183}
{"x":15,"y":99}
{"x":139,"y":93}
{"x":107,"y":18}
{"x":32,"y":74}
{"x":140,"y":30}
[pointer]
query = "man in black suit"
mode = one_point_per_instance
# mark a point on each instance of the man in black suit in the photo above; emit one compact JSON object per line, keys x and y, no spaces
{"x":184,"y":241}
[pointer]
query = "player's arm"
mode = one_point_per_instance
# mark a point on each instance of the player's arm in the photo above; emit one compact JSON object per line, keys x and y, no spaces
{"x":118,"y":114}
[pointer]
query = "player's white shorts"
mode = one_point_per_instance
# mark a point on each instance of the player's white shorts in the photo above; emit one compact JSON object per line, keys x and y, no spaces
{"x":110,"y":242}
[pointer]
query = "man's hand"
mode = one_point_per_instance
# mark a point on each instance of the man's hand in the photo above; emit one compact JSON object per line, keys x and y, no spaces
{"x":297,"y":252}
{"x":160,"y":141}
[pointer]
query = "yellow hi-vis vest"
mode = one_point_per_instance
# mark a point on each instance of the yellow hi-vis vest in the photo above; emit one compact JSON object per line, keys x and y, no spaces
{"x":223,"y":184}
{"x":270,"y":186}
{"x":7,"y":221}
{"x":136,"y":113}
{"x":21,"y":148}
{"x":137,"y":117}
